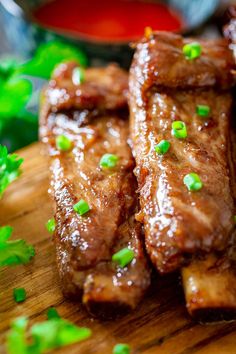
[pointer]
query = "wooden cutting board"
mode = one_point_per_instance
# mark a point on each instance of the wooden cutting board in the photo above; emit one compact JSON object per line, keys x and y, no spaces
{"x":160,"y":325}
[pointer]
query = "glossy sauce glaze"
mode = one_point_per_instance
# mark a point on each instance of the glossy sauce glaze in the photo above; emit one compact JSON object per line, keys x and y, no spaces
{"x":166,"y":87}
{"x":216,"y":302}
{"x":116,"y":20}
{"x":95,"y":125}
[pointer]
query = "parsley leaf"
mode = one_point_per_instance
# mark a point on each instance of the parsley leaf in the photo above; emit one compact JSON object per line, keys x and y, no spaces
{"x":16,"y":92}
{"x":16,"y":342}
{"x":50,"y":54}
{"x":8,"y":67}
{"x":59,"y":333}
{"x":20,"y":131}
{"x":48,"y":335}
{"x":14,"y":95}
{"x":13,"y":252}
{"x":9,"y":168}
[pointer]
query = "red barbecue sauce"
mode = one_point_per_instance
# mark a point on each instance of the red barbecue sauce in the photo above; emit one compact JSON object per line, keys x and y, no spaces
{"x":107,"y":20}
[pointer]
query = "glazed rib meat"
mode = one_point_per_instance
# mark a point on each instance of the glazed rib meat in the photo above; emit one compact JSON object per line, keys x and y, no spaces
{"x":210,"y":281}
{"x":93,"y":115}
{"x":166,"y":87}
{"x":210,"y":287}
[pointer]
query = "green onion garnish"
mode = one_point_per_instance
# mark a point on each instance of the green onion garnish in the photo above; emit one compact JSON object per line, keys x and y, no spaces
{"x":162,"y":147}
{"x":19,"y":294}
{"x":121,"y":349}
{"x":235,"y":219}
{"x":179,"y":129}
{"x":52,"y":313}
{"x":123,"y":257}
{"x":192,"y":50}
{"x":51,"y":225}
{"x":203,"y":110}
{"x":193,"y":182}
{"x":108,"y":161}
{"x":81,"y":207}
{"x":63,"y":143}
{"x":78,"y":76}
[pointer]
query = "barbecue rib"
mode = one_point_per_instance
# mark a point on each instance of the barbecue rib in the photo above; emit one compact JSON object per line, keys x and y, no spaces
{"x":94,"y":117}
{"x":210,"y":282}
{"x":210,"y":287}
{"x":166,"y":87}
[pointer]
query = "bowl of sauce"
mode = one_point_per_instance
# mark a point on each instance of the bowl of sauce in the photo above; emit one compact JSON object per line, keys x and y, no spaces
{"x":108,"y":21}
{"x":103,"y":29}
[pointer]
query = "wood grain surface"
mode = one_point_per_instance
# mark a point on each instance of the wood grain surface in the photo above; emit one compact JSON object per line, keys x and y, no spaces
{"x":160,"y":325}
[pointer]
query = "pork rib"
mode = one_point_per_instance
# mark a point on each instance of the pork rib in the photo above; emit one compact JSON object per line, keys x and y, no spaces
{"x":209,"y":282}
{"x":166,"y":87}
{"x":93,"y":115}
{"x":210,"y":287}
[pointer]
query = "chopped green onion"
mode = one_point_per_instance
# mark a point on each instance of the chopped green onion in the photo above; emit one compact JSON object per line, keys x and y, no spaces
{"x":203,"y":110}
{"x":52,"y":313}
{"x":63,"y":143}
{"x":121,"y":349}
{"x":19,"y":294}
{"x":51,"y":225}
{"x":179,"y":130}
{"x":81,"y":207}
{"x":192,"y":50}
{"x":193,"y":182}
{"x":78,"y":76}
{"x":108,"y":161}
{"x":162,"y":147}
{"x":235,"y":219}
{"x":123,"y":257}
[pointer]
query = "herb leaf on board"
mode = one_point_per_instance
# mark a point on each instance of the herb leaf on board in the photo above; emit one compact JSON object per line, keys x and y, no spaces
{"x":13,"y":252}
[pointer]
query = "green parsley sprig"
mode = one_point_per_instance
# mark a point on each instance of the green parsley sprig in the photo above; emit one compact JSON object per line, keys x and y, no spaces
{"x":44,"y":336}
{"x":13,"y":252}
{"x":9,"y":168}
{"x":48,"y":55}
{"x":17,"y":98}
